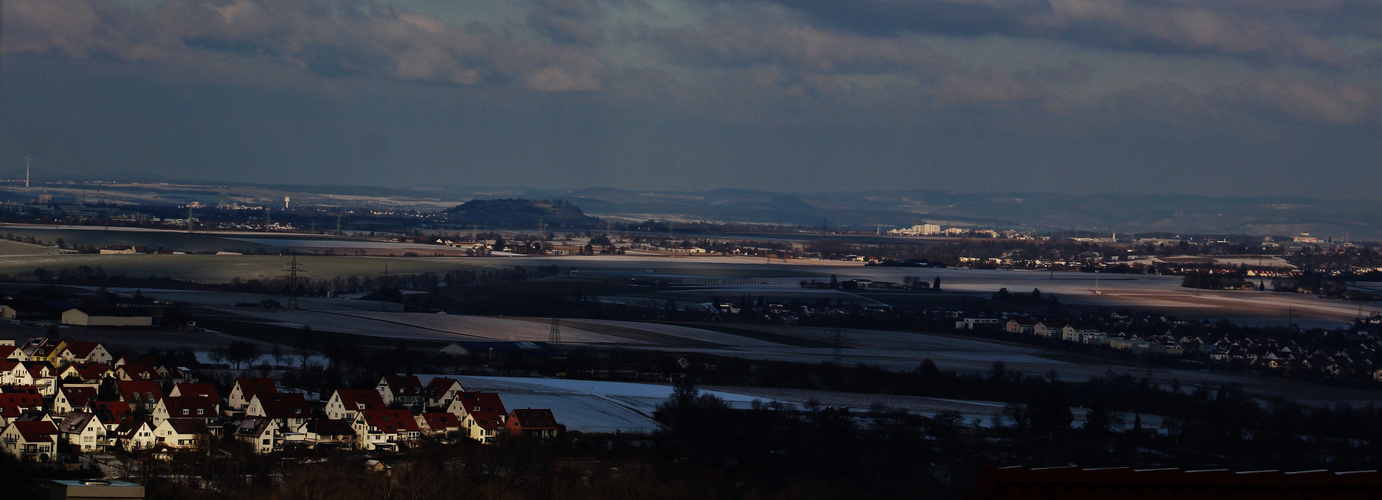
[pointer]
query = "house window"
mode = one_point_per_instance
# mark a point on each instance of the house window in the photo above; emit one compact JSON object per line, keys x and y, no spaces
{"x":184,"y":411}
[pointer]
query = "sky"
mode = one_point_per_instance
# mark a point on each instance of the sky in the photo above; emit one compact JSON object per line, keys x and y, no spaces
{"x":1277,"y":98}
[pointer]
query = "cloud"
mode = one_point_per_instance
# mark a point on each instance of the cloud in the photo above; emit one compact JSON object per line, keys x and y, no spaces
{"x":327,"y":38}
{"x":1334,"y":103}
{"x":1269,"y":33}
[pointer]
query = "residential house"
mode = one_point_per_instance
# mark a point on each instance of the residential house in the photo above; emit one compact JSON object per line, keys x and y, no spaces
{"x":14,"y":403}
{"x":345,"y":403}
{"x":1021,"y":326}
{"x":440,"y":391}
{"x":134,"y":435}
{"x":142,"y":395}
{"x":979,"y":324}
{"x":203,"y":410}
{"x":34,"y":440}
{"x":1073,"y":332}
{"x":439,"y":425}
{"x":39,"y":374}
{"x":181,"y":433}
{"x":384,"y":429}
{"x":73,"y":396}
{"x":329,"y":432}
{"x":1041,"y":330}
{"x":481,"y":414}
{"x":80,"y":351}
{"x":290,"y":409}
{"x":244,"y":390}
{"x":400,"y":390}
{"x":199,"y":390}
{"x":88,"y":373}
{"x":538,"y":423}
{"x":43,"y":349}
{"x":110,"y":413}
{"x":261,"y":433}
{"x":83,"y":432}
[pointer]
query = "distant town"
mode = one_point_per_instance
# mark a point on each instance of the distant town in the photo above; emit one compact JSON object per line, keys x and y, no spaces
{"x":235,"y":346}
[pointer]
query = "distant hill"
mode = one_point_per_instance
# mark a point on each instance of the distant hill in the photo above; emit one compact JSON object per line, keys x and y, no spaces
{"x":520,"y":212}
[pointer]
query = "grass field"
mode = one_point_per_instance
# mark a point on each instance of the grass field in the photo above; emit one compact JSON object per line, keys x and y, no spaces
{"x":223,"y":268}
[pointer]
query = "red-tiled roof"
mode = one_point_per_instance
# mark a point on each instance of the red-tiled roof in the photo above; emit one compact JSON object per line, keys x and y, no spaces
{"x":198,"y":390}
{"x":486,"y":401}
{"x":438,"y":387}
{"x":110,"y":412}
{"x":77,"y":397}
{"x":528,"y":419}
{"x":90,"y":371}
{"x":41,"y":430}
{"x":390,"y":420}
{"x":13,"y":404}
{"x":404,"y":385}
{"x":196,"y":407}
{"x":251,"y":386}
{"x":140,"y":390}
{"x":284,"y":405}
{"x":81,"y":349}
{"x":441,"y":421}
{"x":187,"y":426}
{"x":351,"y":399}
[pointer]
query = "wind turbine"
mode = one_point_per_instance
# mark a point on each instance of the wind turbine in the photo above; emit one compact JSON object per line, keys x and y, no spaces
{"x":27,"y":159}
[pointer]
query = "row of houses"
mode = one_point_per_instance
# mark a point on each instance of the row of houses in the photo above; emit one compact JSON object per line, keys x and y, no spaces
{"x":1264,"y":353}
{"x":82,"y":405}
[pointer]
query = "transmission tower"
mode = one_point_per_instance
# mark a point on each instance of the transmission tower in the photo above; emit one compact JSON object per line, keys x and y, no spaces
{"x":839,"y":342}
{"x":293,"y":271}
{"x":554,"y":337}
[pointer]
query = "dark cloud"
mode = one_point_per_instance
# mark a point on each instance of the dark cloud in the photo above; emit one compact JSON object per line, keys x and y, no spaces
{"x":329,"y":38}
{"x":1264,"y":34}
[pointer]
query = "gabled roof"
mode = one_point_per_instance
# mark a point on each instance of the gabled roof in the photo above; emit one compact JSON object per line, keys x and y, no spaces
{"x":251,"y":386}
{"x":198,"y":390}
{"x":534,"y":419}
{"x":7,"y":350}
{"x":487,"y":401}
{"x":192,"y":404}
{"x":186,"y":425}
{"x":81,"y":348}
{"x":75,"y":422}
{"x":37,"y":431}
{"x":90,"y":371}
{"x":440,"y":420}
{"x":129,"y":427}
{"x":284,"y":405}
{"x":134,"y":390}
{"x":488,"y":420}
{"x":437,"y":387}
{"x":353,"y":398}
{"x":403,"y":385}
{"x":253,"y":426}
{"x":13,"y":404}
{"x":36,"y":368}
{"x":110,"y":412}
{"x":79,"y":396}
{"x":328,"y":427}
{"x":390,"y":420}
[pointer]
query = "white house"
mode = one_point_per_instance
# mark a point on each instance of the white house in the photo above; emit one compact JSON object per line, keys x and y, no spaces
{"x":83,"y":432}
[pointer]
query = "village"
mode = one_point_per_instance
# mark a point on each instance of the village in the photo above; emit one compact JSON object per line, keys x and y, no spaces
{"x":64,"y":398}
